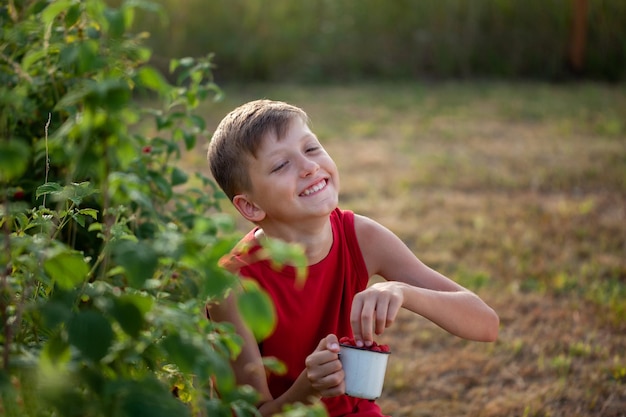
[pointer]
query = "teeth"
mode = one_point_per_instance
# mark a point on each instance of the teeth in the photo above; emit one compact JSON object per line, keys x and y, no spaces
{"x":315,"y":188}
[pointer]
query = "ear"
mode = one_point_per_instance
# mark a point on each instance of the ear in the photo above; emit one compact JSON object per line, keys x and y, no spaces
{"x":248,"y":208}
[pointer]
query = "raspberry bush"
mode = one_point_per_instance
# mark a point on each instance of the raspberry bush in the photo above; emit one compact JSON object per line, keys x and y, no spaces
{"x":109,"y":248}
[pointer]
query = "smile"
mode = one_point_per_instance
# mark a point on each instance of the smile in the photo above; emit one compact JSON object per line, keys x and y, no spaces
{"x":315,"y":188}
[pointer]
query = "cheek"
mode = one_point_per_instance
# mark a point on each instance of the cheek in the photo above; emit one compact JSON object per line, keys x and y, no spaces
{"x":333,"y":168}
{"x":328,"y":163}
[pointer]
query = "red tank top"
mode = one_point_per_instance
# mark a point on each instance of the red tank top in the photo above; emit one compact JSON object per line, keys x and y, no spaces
{"x":306,"y":315}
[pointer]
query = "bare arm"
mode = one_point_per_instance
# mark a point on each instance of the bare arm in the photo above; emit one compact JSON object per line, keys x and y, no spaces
{"x":415,"y":286}
{"x":323,"y":375}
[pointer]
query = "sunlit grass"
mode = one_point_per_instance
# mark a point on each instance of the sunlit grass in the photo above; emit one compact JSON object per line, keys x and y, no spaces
{"x":517,"y":192}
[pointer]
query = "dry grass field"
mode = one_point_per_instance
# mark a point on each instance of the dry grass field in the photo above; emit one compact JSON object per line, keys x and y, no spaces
{"x":517,"y":191}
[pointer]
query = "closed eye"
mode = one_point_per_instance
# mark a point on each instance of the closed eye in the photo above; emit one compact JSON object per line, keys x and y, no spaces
{"x":279,"y":166}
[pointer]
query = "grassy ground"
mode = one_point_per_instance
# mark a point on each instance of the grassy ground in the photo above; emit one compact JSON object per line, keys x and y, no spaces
{"x":516,"y":191}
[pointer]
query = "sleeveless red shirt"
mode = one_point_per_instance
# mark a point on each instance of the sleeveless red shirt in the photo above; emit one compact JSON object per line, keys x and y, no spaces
{"x":309,"y":313}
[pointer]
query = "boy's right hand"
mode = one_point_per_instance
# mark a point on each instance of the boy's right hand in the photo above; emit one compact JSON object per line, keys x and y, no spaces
{"x":324,"y":370}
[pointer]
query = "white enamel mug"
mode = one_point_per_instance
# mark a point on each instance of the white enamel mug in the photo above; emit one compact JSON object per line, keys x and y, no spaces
{"x":364,"y":371}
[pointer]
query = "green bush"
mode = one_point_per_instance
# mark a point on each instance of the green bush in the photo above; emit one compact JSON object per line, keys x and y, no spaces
{"x":109,"y":249}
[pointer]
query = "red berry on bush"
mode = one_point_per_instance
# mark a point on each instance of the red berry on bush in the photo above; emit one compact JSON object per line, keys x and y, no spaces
{"x":147,"y":149}
{"x":18,"y":194}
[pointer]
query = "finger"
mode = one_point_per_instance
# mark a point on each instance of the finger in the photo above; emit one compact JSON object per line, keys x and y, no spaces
{"x":320,"y":358}
{"x":392,"y":311}
{"x":381,"y":316}
{"x":355,"y":317}
{"x":323,"y":363}
{"x":331,"y":385}
{"x":367,"y":322}
{"x":326,"y":378}
{"x":332,"y":343}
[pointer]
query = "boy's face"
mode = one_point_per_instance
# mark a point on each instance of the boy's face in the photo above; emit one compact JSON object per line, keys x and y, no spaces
{"x":293,"y":178}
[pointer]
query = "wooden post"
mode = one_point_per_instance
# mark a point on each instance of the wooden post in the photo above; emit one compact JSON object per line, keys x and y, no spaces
{"x":578,"y":41}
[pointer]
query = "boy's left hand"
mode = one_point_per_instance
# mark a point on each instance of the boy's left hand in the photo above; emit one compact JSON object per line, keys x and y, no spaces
{"x":375,"y":309}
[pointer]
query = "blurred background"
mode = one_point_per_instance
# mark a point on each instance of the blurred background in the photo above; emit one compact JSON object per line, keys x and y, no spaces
{"x":490,"y":135}
{"x":350,"y":40}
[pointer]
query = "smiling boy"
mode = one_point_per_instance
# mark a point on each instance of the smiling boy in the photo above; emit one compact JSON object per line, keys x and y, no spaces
{"x":279,"y":177}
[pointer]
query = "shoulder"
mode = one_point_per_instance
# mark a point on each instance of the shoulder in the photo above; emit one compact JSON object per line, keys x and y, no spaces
{"x":243,"y":254}
{"x":367,"y":228}
{"x":379,"y":245}
{"x":372,"y":239}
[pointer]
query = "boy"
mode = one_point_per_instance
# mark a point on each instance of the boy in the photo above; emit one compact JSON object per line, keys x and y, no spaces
{"x":279,"y":177}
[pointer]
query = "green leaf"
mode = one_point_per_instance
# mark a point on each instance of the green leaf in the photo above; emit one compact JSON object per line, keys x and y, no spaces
{"x":93,"y":213}
{"x":9,"y":395}
{"x":143,"y":303}
{"x":91,"y":333}
{"x":31,"y":57}
{"x":163,"y":122}
{"x":54,"y":313}
{"x":218,"y":368}
{"x":179,"y":177}
{"x":190,"y":140}
{"x":181,"y":352}
{"x":77,"y":192}
{"x":150,"y":78}
{"x":77,"y":94}
{"x":128,"y":316}
{"x":54,"y":9}
{"x":14,"y":156}
{"x":110,"y":94}
{"x":67,"y":269}
{"x":198,"y":121}
{"x":72,"y":15}
{"x":79,"y":219}
{"x":162,"y":184}
{"x":48,"y":188}
{"x":282,"y":253}
{"x":22,"y":221}
{"x":129,"y":15}
{"x":217,"y":281}
{"x":56,"y":350}
{"x":89,"y":58}
{"x":257,"y":309}
{"x":147,"y":397}
{"x":215,"y":407}
{"x":138,"y":259}
{"x":243,"y":400}
{"x":174,"y":63}
{"x":115,"y":19}
{"x":274,"y":365}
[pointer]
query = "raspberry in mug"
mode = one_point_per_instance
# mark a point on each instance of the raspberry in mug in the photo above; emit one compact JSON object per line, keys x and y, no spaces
{"x":364,"y":368}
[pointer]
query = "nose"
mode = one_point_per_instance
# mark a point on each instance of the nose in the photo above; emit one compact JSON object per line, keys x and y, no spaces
{"x":308,"y":167}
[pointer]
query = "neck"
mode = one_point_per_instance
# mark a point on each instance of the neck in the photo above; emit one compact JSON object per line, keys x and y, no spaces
{"x":315,"y":239}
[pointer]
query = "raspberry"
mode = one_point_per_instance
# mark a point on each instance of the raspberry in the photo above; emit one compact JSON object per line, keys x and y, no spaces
{"x":147,"y":149}
{"x":19,"y":194}
{"x":375,"y":347}
{"x":347,"y":341}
